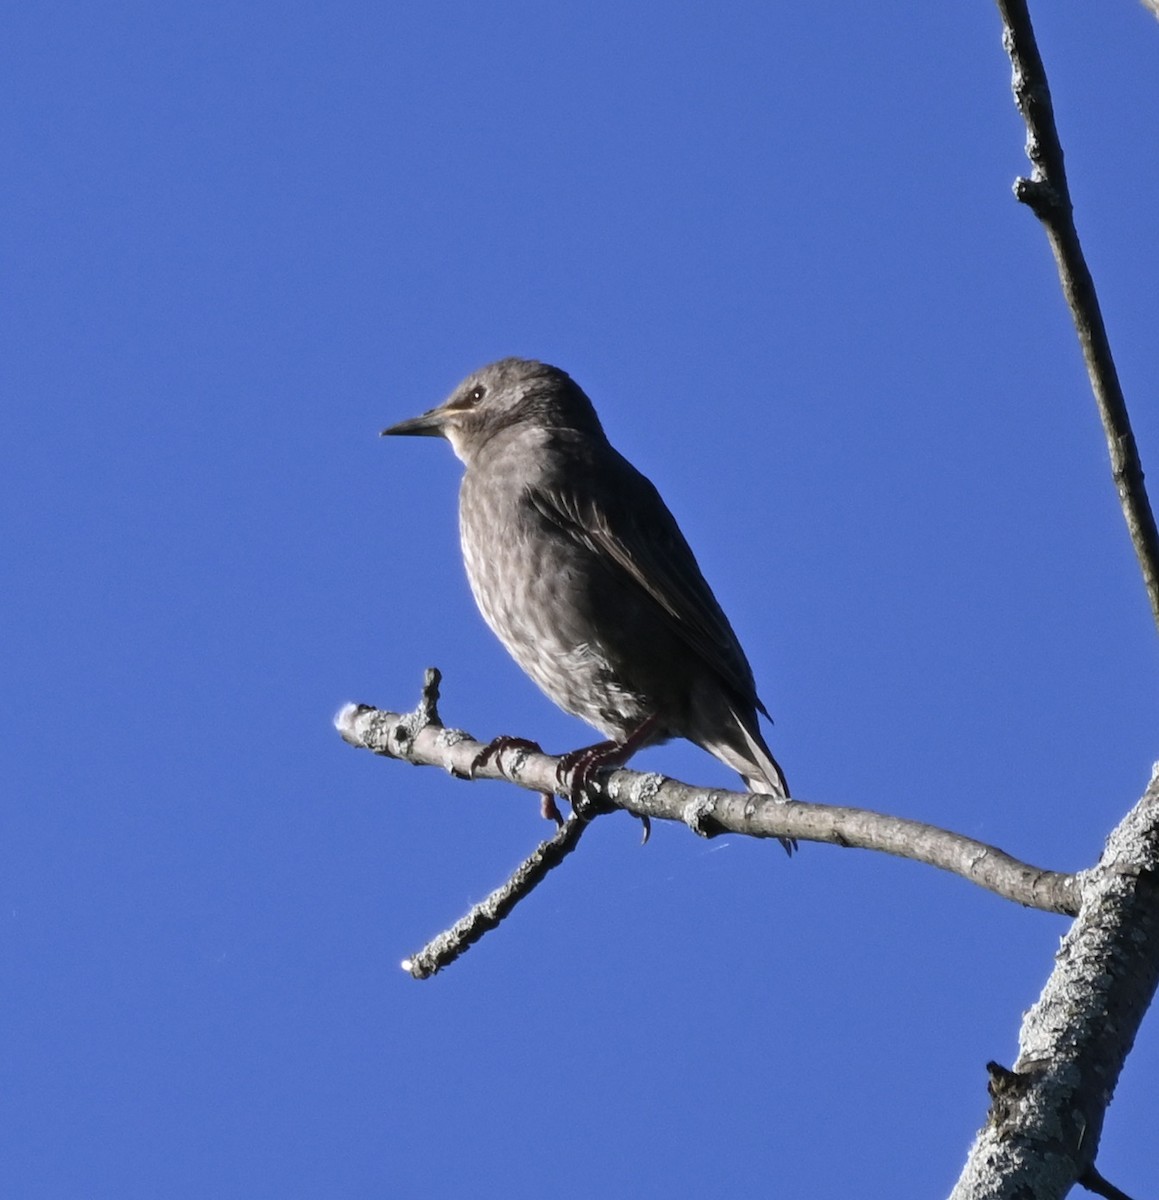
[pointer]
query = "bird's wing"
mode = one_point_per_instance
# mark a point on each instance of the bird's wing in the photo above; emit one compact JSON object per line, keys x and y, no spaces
{"x":620,"y":516}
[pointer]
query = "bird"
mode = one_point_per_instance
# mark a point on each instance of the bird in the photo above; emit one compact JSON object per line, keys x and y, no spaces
{"x":580,"y":569}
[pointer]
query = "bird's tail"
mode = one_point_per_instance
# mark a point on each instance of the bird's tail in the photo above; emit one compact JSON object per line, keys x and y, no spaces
{"x":768,"y":777}
{"x":745,"y":751}
{"x":738,"y":743}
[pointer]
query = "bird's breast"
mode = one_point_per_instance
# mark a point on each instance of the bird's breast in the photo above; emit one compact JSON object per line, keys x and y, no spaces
{"x":533,"y":585}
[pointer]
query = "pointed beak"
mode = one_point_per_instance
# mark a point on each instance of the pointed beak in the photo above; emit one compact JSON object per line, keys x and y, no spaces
{"x":430,"y":424}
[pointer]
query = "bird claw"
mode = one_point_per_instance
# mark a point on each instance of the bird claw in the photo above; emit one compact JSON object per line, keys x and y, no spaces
{"x":491,"y":752}
{"x":494,"y":748}
{"x":575,"y":769}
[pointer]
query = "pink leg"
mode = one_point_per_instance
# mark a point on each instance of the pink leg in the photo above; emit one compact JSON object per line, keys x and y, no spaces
{"x":582,"y":764}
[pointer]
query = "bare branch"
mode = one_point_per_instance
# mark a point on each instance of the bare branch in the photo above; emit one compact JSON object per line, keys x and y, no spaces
{"x":711,"y":811}
{"x":1047,"y":193}
{"x":1046,"y":1116}
{"x":441,"y":951}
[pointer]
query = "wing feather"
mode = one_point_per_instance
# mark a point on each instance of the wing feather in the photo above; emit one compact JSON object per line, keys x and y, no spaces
{"x":622,"y":518}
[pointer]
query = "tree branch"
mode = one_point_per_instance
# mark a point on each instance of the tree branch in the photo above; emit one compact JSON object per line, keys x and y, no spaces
{"x":420,"y":738}
{"x":1047,"y":193}
{"x":441,"y":951}
{"x":1046,"y":1116}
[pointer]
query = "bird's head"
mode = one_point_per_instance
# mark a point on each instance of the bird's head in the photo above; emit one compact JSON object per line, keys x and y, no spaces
{"x":510,"y":393}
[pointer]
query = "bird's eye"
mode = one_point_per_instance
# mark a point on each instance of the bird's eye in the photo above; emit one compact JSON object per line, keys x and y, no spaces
{"x":478,"y":394}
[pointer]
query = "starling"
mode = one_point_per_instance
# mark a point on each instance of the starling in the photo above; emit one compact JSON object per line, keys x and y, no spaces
{"x":582,"y":572}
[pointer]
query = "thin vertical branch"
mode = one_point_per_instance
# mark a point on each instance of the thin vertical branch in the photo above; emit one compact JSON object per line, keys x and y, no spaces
{"x":1047,"y":194}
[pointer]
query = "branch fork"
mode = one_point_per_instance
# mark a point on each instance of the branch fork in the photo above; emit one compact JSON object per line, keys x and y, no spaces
{"x":419,"y":737}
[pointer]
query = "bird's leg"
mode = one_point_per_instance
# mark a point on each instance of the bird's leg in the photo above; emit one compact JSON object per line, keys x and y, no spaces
{"x":575,"y":767}
{"x":583,"y":763}
{"x":494,"y":748}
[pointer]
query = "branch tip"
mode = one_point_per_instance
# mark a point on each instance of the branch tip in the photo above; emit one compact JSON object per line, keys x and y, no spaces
{"x":481,"y":918}
{"x":1038,"y":196}
{"x":428,"y":707}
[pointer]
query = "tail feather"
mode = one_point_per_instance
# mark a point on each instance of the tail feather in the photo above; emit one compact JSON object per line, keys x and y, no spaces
{"x":734,"y":737}
{"x":768,"y":778}
{"x":751,"y":757}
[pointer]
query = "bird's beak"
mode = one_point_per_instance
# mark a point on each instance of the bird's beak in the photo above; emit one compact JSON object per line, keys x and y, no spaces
{"x":430,"y":424}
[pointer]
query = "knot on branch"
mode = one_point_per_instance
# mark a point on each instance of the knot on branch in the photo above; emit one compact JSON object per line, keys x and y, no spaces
{"x":1039,"y":196}
{"x":700,"y":816}
{"x":1008,"y":1089}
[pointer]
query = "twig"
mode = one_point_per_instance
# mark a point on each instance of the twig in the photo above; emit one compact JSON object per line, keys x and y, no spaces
{"x":442,"y":950}
{"x":452,"y":943}
{"x":711,"y":811}
{"x":1047,"y":194}
{"x":1094,"y":1182}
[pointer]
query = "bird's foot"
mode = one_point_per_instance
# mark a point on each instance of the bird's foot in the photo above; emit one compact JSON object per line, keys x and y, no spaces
{"x":576,"y":768}
{"x":581,"y":765}
{"x":496,"y":747}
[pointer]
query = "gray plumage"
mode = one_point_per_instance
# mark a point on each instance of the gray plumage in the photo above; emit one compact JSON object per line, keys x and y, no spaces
{"x":581,"y":570}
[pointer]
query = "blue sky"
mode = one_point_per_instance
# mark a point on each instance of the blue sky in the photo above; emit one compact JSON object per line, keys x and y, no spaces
{"x":778,"y":248}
